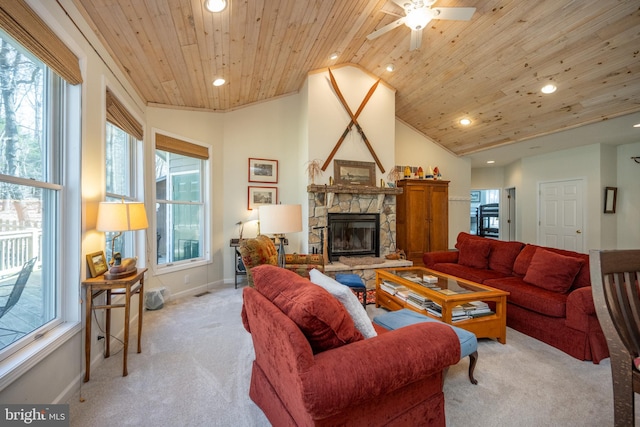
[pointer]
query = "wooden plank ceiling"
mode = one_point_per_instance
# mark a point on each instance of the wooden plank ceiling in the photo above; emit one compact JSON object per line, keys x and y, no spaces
{"x":489,"y":69}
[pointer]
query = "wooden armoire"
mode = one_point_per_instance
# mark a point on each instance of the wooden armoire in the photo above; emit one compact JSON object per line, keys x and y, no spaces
{"x":422,"y":217}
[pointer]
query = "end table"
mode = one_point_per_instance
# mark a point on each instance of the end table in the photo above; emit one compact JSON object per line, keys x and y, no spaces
{"x":123,"y":286}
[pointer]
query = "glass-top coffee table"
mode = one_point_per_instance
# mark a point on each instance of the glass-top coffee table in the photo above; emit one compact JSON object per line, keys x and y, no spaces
{"x":469,"y":305}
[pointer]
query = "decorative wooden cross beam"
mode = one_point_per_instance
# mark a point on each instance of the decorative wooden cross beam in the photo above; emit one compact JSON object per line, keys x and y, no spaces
{"x":354,"y":121}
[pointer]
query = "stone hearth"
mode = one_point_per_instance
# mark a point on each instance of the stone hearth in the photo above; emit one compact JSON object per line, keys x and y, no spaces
{"x":324,"y":199}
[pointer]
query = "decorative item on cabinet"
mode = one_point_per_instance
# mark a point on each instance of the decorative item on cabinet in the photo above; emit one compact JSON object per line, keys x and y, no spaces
{"x":407,"y":172}
{"x":420,"y":173}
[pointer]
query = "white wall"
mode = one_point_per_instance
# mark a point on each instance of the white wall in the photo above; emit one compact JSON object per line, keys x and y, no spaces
{"x":601,"y":166}
{"x":628,"y":206}
{"x":414,"y":149}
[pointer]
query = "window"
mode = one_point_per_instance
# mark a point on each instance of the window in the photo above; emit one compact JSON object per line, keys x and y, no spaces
{"x":31,"y":191}
{"x":180,"y":206}
{"x":121,"y":179}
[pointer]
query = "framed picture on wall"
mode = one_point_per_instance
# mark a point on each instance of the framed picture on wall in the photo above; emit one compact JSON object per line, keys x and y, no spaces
{"x":475,"y":196}
{"x":354,"y":173}
{"x":263,"y":170}
{"x":610,"y":196}
{"x":259,"y":196}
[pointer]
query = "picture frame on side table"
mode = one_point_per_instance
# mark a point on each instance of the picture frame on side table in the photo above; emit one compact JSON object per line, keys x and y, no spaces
{"x":97,"y":263}
{"x":258,"y":196}
{"x":263,"y":170}
{"x":610,"y":196}
{"x":349,"y":172}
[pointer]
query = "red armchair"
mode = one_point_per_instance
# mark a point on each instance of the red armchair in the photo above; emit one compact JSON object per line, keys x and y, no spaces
{"x":311,"y":368}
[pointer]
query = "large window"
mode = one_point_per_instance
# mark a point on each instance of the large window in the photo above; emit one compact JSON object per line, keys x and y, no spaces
{"x":180,"y":204}
{"x":31,"y":149}
{"x":121,"y":149}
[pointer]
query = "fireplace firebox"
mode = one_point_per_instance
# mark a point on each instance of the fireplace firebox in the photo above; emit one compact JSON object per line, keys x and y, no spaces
{"x":353,"y":234}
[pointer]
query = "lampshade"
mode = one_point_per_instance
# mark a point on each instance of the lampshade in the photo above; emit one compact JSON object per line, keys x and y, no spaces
{"x":120,"y":216}
{"x":280,"y":219}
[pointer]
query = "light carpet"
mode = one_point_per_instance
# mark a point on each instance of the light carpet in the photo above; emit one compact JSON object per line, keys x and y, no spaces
{"x":195,"y":367}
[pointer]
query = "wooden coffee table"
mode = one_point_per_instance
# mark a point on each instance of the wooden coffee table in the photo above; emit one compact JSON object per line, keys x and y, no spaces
{"x":442,"y":298}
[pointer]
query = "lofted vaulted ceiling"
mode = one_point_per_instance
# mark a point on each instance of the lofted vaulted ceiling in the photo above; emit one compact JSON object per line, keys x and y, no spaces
{"x":489,"y":69}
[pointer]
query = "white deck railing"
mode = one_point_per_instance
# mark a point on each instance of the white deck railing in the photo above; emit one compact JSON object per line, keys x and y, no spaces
{"x":18,"y":247}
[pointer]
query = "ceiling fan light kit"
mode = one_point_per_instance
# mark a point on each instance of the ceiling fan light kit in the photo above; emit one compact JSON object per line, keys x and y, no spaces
{"x":418,"y":14}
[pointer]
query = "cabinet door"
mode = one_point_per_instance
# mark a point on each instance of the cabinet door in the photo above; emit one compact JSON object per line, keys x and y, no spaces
{"x":417,"y":222}
{"x":438,"y":201}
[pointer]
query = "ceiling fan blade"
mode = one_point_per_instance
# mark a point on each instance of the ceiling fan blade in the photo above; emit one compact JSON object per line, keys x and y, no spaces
{"x":385,"y":29}
{"x":416,"y":39}
{"x":454,"y":13}
{"x":401,"y":2}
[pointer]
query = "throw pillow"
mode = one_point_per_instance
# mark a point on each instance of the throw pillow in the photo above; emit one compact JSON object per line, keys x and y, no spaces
{"x":347,"y":299}
{"x":474,"y":253}
{"x":320,"y":317}
{"x":552,"y":271}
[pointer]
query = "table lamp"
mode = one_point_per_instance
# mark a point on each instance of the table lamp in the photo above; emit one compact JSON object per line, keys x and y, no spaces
{"x":120,"y":217}
{"x":279,"y":220}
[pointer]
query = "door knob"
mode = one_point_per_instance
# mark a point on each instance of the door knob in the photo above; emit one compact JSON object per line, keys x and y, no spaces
{"x":579,"y":231}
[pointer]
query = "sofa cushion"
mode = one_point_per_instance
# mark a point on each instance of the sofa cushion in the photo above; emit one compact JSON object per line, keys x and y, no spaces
{"x":321,"y":318}
{"x":503,"y":254}
{"x":477,"y":275}
{"x":552,"y":271}
{"x":474,"y":253}
{"x":347,"y":298}
{"x":521,"y":265}
{"x":539,"y":300}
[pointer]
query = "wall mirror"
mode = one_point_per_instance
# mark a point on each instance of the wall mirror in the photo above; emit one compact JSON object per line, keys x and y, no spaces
{"x":610,"y":194}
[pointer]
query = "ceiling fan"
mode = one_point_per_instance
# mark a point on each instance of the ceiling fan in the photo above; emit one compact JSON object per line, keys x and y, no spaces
{"x":418,"y":13}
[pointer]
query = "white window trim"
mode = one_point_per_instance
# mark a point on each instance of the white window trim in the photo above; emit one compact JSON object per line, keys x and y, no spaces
{"x":160,"y":269}
{"x":69,"y":324}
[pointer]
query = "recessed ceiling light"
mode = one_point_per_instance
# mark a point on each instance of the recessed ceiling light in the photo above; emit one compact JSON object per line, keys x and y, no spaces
{"x":215,"y":5}
{"x":219,"y":81}
{"x":549,"y":88}
{"x":390,"y":67}
{"x":637,"y":125}
{"x":490,"y":162}
{"x":333,"y":56}
{"x":465,"y":122}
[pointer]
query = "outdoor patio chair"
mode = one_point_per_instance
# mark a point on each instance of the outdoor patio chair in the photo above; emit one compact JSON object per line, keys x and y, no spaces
{"x":14,"y":294}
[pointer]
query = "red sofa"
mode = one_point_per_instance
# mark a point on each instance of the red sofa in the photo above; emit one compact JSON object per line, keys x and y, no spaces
{"x":550,"y":289}
{"x":312,"y":367}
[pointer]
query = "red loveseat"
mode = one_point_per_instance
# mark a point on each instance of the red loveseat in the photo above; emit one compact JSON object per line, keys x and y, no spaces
{"x":550,"y":289}
{"x":312,"y":367}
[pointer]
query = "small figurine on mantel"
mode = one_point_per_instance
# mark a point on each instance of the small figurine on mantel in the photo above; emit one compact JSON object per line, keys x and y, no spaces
{"x":430,"y":173}
{"x":121,"y":267}
{"x":436,"y":173}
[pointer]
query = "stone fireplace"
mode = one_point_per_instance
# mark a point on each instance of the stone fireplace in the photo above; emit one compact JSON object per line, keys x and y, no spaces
{"x":353,"y":199}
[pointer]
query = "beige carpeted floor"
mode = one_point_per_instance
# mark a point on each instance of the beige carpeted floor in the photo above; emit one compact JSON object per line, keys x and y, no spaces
{"x":196,"y":359}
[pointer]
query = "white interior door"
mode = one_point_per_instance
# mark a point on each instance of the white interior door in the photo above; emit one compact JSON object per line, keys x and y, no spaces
{"x":561,"y":218}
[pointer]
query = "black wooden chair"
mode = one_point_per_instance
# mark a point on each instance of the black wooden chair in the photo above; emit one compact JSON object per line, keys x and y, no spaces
{"x":14,"y":294}
{"x":616,"y":294}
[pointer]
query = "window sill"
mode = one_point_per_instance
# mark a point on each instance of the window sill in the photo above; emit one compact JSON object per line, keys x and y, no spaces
{"x":26,"y":358}
{"x":180,"y":265}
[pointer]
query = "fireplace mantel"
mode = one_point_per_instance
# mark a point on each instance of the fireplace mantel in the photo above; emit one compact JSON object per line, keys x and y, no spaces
{"x":352,"y":189}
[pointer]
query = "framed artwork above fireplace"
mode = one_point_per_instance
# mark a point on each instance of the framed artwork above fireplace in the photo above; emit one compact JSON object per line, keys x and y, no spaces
{"x":349,"y":172}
